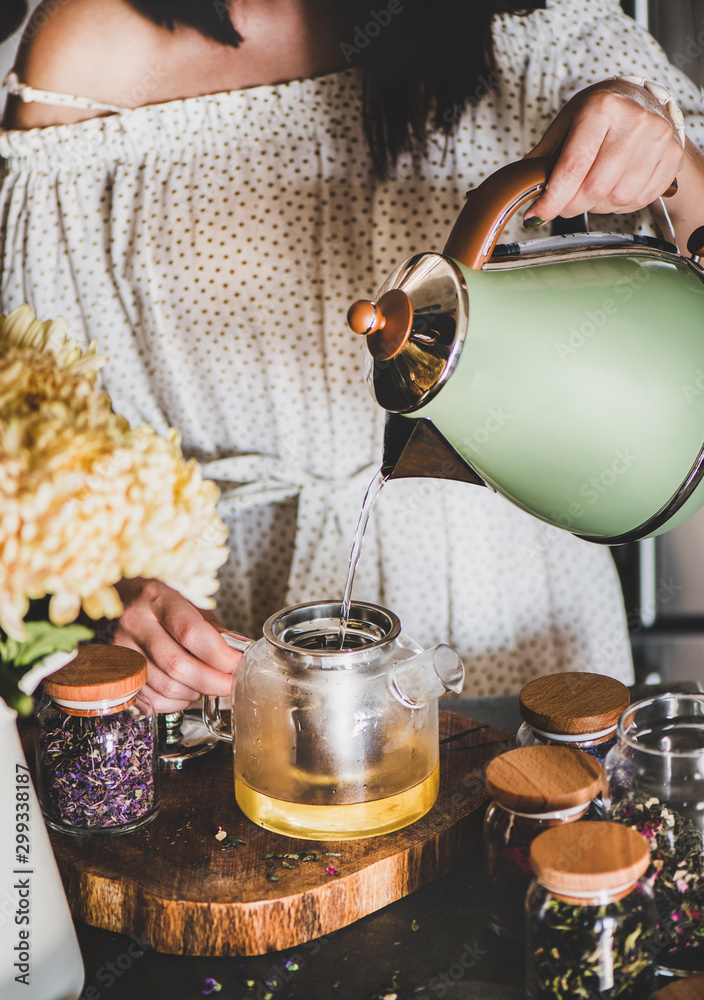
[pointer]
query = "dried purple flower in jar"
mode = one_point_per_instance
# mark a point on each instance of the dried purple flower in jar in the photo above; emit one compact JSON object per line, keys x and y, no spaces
{"x":96,"y":744}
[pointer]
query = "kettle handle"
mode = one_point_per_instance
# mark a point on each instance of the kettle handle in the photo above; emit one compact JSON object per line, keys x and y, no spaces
{"x":489,"y":207}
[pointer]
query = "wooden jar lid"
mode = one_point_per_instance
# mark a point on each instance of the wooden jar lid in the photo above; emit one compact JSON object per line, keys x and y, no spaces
{"x":589,"y":857}
{"x":99,"y":673}
{"x":574,"y":702}
{"x":544,"y":779}
{"x":691,"y":988}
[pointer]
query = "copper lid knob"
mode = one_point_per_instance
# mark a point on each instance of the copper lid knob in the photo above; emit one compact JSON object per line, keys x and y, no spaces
{"x":363,"y":317}
{"x":387,"y":323}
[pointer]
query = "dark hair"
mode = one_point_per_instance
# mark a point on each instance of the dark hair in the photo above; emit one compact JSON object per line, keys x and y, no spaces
{"x":424,"y":61}
{"x":212,"y":19}
{"x":12,"y":15}
{"x":435,"y":58}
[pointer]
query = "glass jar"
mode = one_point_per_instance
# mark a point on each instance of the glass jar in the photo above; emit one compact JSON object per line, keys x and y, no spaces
{"x":590,"y":916}
{"x":532,"y":789}
{"x":656,"y":786}
{"x":572,"y":709}
{"x":96,"y":744}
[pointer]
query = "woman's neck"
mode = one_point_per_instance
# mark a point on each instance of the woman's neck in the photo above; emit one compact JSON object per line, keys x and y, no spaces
{"x":282,"y":40}
{"x":106,"y":50}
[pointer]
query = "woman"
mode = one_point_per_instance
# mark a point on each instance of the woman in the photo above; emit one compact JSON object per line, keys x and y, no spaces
{"x":222,"y":181}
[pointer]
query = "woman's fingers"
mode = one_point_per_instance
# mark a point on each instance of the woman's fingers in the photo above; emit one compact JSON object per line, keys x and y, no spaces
{"x":186,"y":656}
{"x":613,"y":154}
{"x":195,"y":633}
{"x":580,"y":148}
{"x":165,"y":694}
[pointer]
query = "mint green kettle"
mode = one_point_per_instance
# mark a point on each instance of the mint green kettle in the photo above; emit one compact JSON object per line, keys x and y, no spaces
{"x":566,"y":373}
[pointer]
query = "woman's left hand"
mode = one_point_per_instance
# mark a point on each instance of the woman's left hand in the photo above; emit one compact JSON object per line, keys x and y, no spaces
{"x":616,"y":151}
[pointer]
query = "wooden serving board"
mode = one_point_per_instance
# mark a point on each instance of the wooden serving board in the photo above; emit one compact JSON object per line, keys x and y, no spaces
{"x":183,"y":892}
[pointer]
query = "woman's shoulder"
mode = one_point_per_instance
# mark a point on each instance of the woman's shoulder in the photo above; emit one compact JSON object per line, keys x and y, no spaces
{"x":561,"y":28}
{"x":565,"y":15}
{"x":98,"y":49}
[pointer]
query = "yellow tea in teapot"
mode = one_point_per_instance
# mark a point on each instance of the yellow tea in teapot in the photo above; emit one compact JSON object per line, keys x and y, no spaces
{"x":334,"y":822}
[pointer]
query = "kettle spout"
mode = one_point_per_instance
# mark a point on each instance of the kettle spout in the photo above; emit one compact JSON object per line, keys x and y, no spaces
{"x":426,"y":676}
{"x":416,"y":448}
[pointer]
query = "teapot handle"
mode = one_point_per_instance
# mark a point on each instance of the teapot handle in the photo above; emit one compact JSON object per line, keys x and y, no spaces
{"x":212,"y":718}
{"x":489,"y":207}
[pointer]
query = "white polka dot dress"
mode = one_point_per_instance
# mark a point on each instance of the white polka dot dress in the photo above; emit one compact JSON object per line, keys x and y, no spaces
{"x":213,"y":245}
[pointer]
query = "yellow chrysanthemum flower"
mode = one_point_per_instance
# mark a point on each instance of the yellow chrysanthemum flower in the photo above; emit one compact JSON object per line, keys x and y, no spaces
{"x":85,"y":500}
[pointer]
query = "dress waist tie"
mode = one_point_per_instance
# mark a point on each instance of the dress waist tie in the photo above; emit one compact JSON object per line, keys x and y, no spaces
{"x":328,"y":510}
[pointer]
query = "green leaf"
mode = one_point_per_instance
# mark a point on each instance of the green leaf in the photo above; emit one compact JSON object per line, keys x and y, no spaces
{"x":9,"y":692}
{"x":42,"y":639}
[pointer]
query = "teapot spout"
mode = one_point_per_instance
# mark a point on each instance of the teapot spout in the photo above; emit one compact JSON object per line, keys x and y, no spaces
{"x":416,"y":448}
{"x":426,"y":676}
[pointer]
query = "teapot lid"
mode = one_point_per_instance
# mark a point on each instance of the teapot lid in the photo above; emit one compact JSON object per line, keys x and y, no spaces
{"x":415,"y":331}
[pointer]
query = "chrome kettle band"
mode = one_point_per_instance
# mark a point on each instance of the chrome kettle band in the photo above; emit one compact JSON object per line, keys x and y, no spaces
{"x":675,"y":503}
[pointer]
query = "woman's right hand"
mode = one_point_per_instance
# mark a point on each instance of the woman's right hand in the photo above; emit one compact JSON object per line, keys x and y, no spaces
{"x":186,"y":656}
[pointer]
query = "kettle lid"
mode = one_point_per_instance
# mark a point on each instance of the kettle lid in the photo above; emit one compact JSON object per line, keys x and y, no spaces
{"x":415,"y":331}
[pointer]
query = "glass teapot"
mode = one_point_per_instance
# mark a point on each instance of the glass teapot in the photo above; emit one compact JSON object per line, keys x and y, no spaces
{"x":330,"y":743}
{"x":566,"y":373}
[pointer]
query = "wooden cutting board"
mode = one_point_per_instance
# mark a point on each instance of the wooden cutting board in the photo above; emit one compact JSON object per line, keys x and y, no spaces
{"x":184,"y":892}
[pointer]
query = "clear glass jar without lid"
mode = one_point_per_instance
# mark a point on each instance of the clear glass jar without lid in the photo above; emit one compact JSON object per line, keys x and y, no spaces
{"x":656,"y":786}
{"x":532,"y":789}
{"x":590,"y":915}
{"x":96,"y":744}
{"x":574,"y":709}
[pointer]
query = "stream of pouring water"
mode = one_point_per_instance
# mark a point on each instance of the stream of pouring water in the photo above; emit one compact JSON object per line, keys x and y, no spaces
{"x":370,"y":498}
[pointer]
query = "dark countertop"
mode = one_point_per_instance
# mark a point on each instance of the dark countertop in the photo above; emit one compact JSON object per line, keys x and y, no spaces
{"x":432,"y":944}
{"x":429,"y":946}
